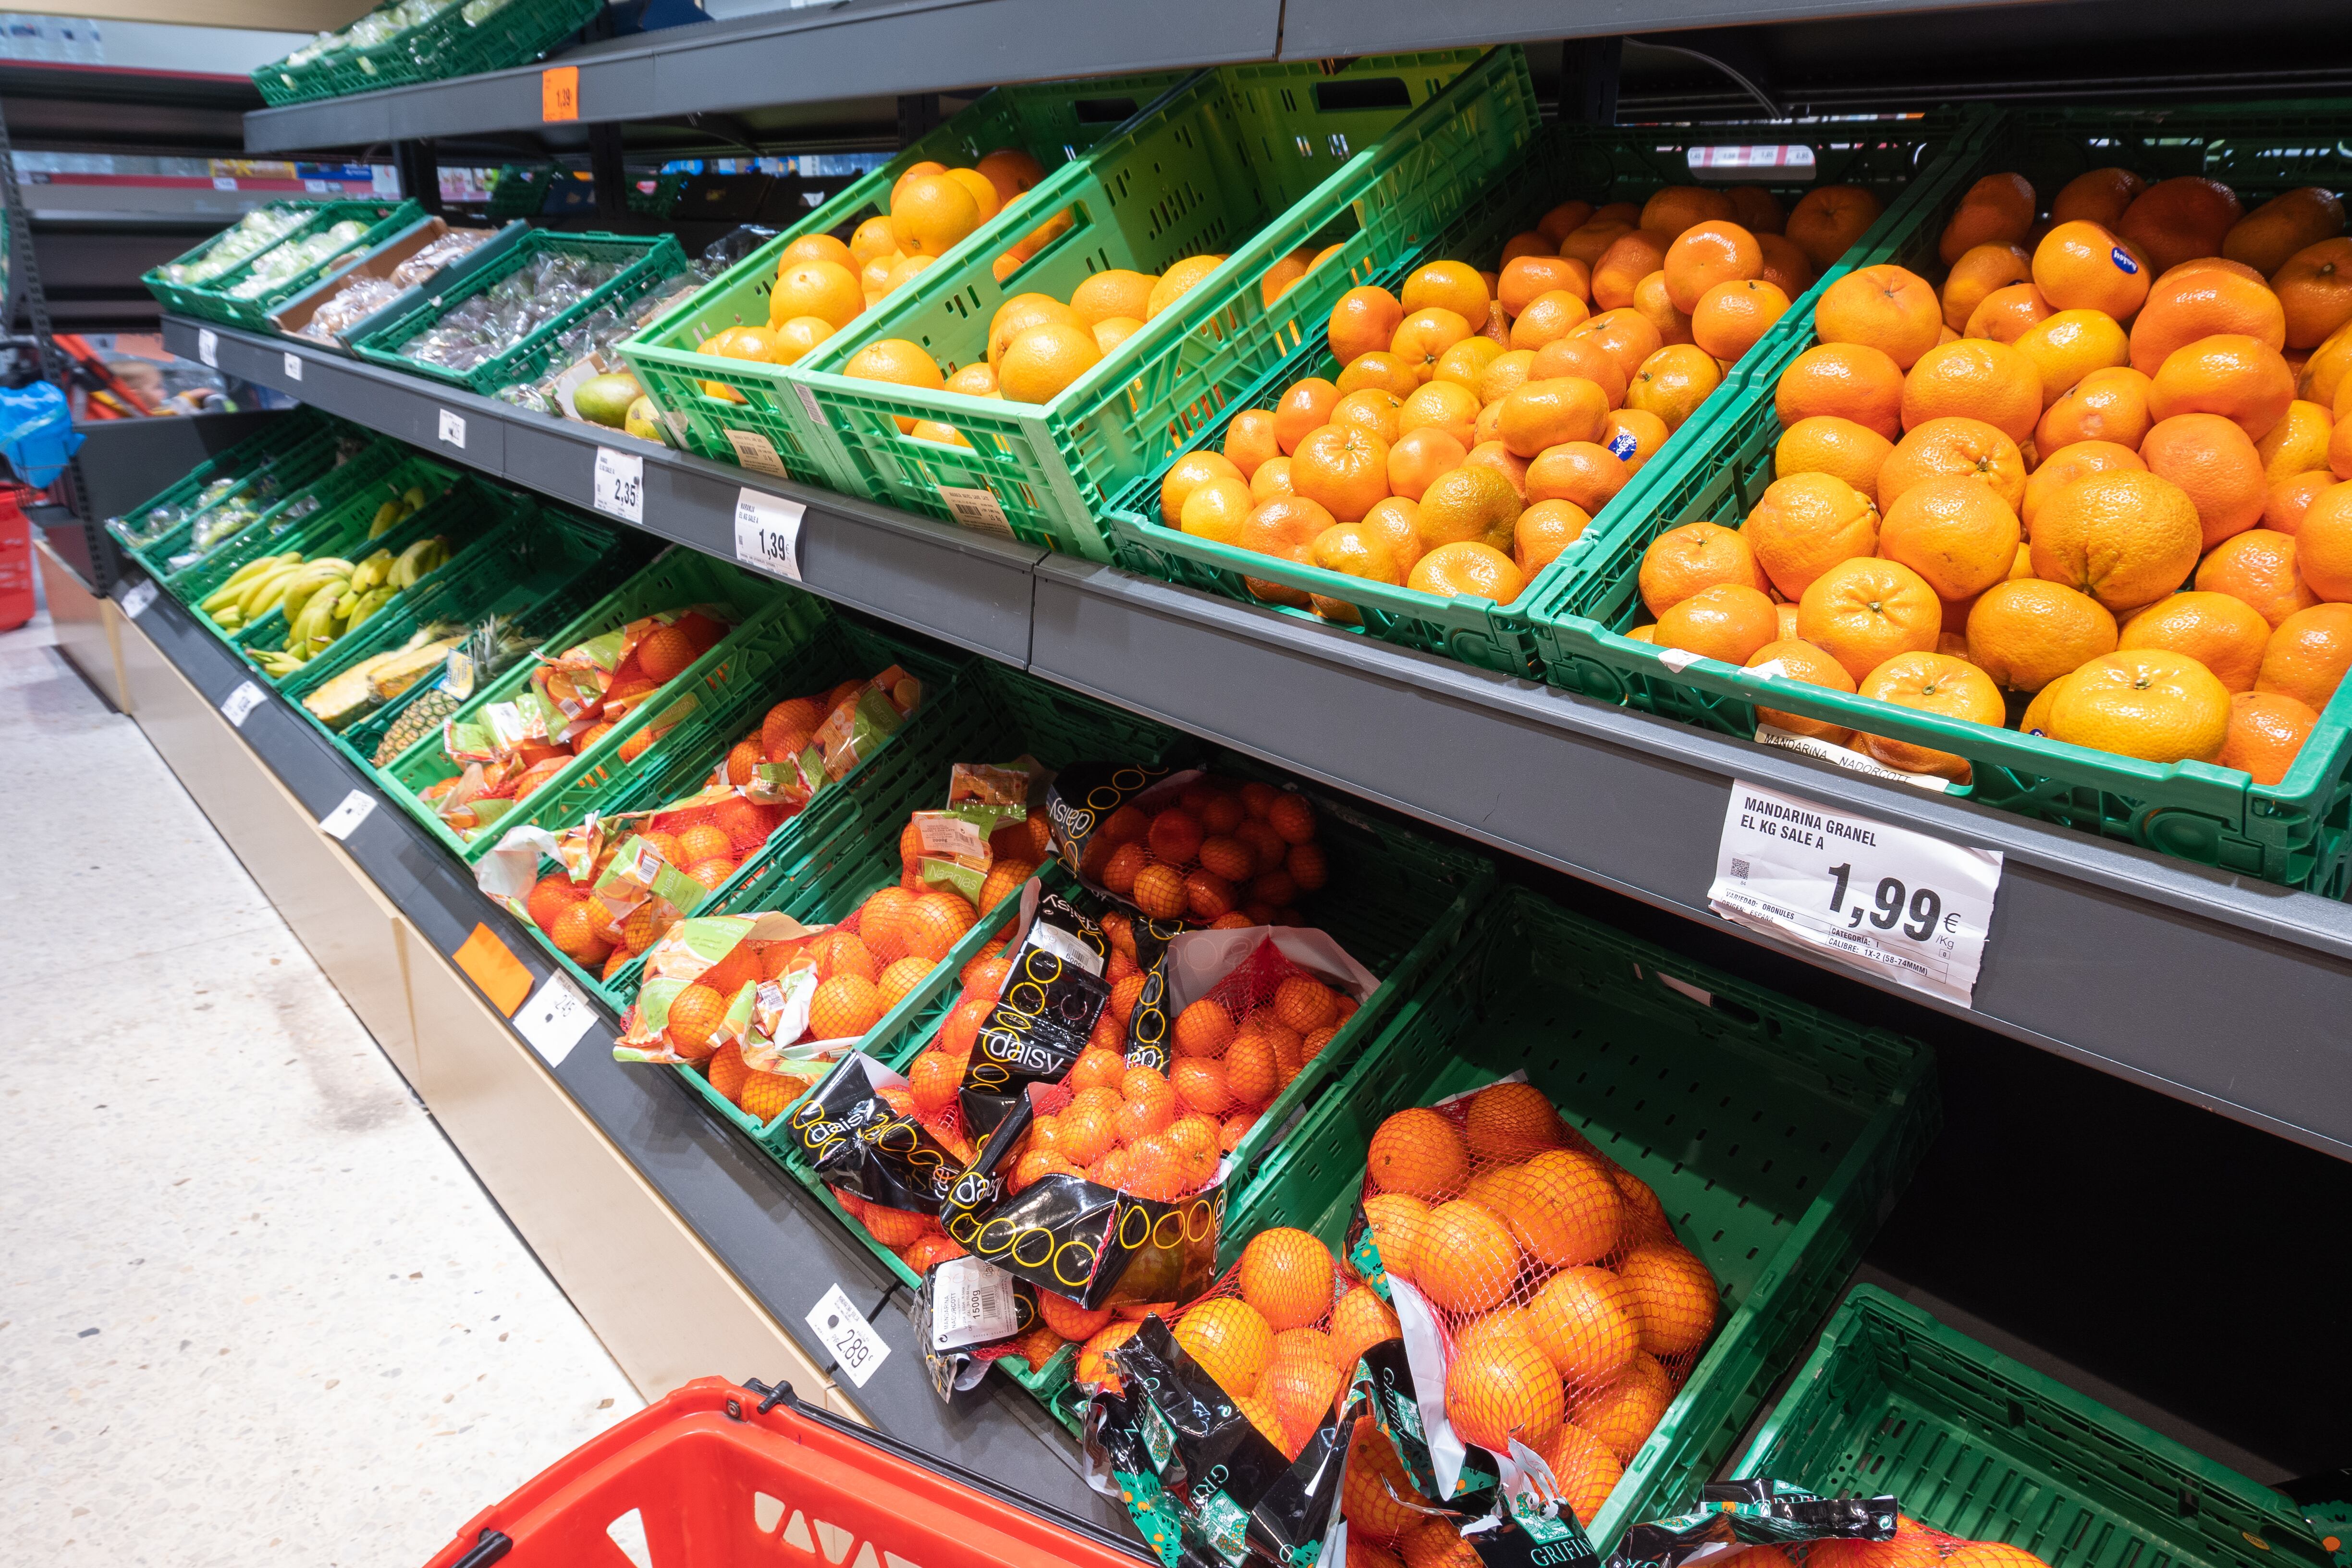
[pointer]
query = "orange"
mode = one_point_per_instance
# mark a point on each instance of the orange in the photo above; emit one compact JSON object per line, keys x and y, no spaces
{"x":2298,"y":444}
{"x":2267,"y":729}
{"x":1475,"y":502}
{"x":1587,"y":1323}
{"x":2259,"y":566}
{"x":1582,"y":472}
{"x":1954,"y":444}
{"x":1706,"y":254}
{"x":1799,"y":660}
{"x":1037,"y":365}
{"x":1418,"y":457}
{"x":845,"y":1007}
{"x":1956,"y":533}
{"x":1586,"y":1473}
{"x":1447,"y":404}
{"x":1543,"y":530}
{"x":1363,"y":319}
{"x":796,"y":336}
{"x":1112,"y":292}
{"x":984,"y":194}
{"x":1217,"y":510}
{"x":1249,"y":442}
{"x":2220,"y":631}
{"x":2315,"y":292}
{"x":1652,"y":304}
{"x":928,"y":215}
{"x":1547,"y":317}
{"x":1728,"y":622}
{"x":1357,"y":551}
{"x":1492,"y":453}
{"x":1997,"y":210}
{"x":1369,"y":408}
{"x":1463,"y":364}
{"x":1678,"y":208}
{"x":1756,"y":210}
{"x":2149,"y":702}
{"x":1179,"y":280}
{"x":903,"y":269}
{"x":1588,"y":242}
{"x":2125,"y":538}
{"x":1230,"y":1340}
{"x":1828,"y":444}
{"x":2196,"y":301}
{"x":1020,"y":313}
{"x":1501,"y":1390}
{"x":1564,"y":1207}
{"x":2104,"y":405}
{"x":1448,"y":286}
{"x":2215,"y":464}
{"x":2239,"y":378}
{"x":1524,"y":278}
{"x":870,"y":242}
{"x":1011,"y":171}
{"x":1847,"y":381}
{"x":1543,"y":413}
{"x":1977,"y":379}
{"x":1731,"y":315}
{"x":1469,"y":1256}
{"x":2081,"y":266}
{"x":1422,"y":338}
{"x":1673,"y":382}
{"x":1931,"y":683}
{"x":1978,"y":272}
{"x":1419,"y":1152}
{"x":1864,"y":610}
{"x":896,"y":360}
{"x":1884,"y":307}
{"x":1284,"y":526}
{"x":2179,"y":219}
{"x":1623,"y":1412}
{"x":1562,"y":220}
{"x":1398,"y":1220}
{"x":1467,"y":569}
{"x":817,"y":287}
{"x":1186,"y":474}
{"x":2007,"y":314}
{"x":2322,"y":543}
{"x":2307,"y":655}
{"x":1805,"y":523}
{"x":977,"y":379}
{"x":2025,"y":633}
{"x":1785,"y":266}
{"x":1377,"y":1500}
{"x":1378,"y":370}
{"x":1287,"y":1276}
{"x":1630,"y":257}
{"x":2289,"y":500}
{"x":1827,"y":219}
{"x":1684,"y":561}
{"x":1577,"y":356}
{"x":2068,"y":346}
{"x":1306,"y":406}
{"x":1628,"y":336}
{"x":1636,"y":435}
{"x":2102,"y":195}
{"x":1674,"y":1296}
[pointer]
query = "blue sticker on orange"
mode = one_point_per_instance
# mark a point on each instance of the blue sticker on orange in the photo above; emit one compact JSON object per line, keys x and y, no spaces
{"x":2123,"y":259}
{"x":1624,"y":445}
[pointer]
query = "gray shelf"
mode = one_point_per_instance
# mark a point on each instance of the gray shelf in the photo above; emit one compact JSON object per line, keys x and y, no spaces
{"x":2226,"y":992}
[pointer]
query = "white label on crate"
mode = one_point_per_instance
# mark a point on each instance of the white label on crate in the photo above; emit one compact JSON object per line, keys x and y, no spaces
{"x":971,"y":1303}
{"x":768,"y":533}
{"x":453,"y":430}
{"x":1879,"y":897}
{"x":755,"y":451}
{"x":844,"y":1330}
{"x":208,"y":346}
{"x":1677,"y":659}
{"x":617,"y":486}
{"x":975,"y":508}
{"x":677,"y":423}
{"x":555,"y":1018}
{"x":356,"y":808}
{"x":293,"y":367}
{"x":135,"y":602}
{"x":1852,"y":760}
{"x":808,"y":401}
{"x":239,"y":704}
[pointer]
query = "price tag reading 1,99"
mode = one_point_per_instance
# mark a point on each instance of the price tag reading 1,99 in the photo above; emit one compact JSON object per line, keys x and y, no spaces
{"x":1899,"y":903}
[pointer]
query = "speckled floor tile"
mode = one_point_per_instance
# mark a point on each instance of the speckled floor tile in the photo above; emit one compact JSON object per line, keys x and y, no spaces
{"x":253,"y":1307}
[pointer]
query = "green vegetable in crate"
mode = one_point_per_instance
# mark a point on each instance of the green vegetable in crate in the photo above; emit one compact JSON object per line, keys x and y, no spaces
{"x":490,"y":648}
{"x":366,"y":686}
{"x":257,"y":230}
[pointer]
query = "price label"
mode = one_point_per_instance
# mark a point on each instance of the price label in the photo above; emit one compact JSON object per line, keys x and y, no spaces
{"x":555,"y":1018}
{"x":768,"y":533}
{"x":135,"y":602}
{"x":1882,"y":897}
{"x":809,"y":402}
{"x":559,"y":94}
{"x":1845,"y":757}
{"x":223,"y":182}
{"x":976,"y":509}
{"x":239,"y":704}
{"x":453,"y":430}
{"x":845,"y":1331}
{"x":755,"y":451}
{"x":356,"y":808}
{"x":971,"y":1303}
{"x":617,"y":486}
{"x":293,"y":367}
{"x":208,"y":347}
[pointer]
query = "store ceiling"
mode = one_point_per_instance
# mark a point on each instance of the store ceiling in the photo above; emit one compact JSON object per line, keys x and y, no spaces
{"x":271,"y":15}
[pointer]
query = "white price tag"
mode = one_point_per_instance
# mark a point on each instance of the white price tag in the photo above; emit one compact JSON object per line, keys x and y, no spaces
{"x":768,"y":533}
{"x":755,"y":451}
{"x":293,"y":367}
{"x":355,"y":808}
{"x":1879,"y":897}
{"x":971,"y":1303}
{"x":845,"y":1331}
{"x":555,"y":1018}
{"x":1845,"y":757}
{"x":239,"y":704}
{"x":223,"y":182}
{"x":617,"y":487}
{"x":135,"y":602}
{"x":975,"y":508}
{"x":208,"y":347}
{"x":453,"y":430}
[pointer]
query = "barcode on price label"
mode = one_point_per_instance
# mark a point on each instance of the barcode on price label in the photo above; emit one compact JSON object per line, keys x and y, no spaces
{"x":618,"y":485}
{"x":755,"y":451}
{"x":208,"y":346}
{"x":976,"y":509}
{"x":239,"y":704}
{"x":768,"y":533}
{"x":555,"y":1018}
{"x":971,"y":1303}
{"x":293,"y":367}
{"x":453,"y":430}
{"x":1885,"y":898}
{"x":844,"y":1330}
{"x":135,"y":602}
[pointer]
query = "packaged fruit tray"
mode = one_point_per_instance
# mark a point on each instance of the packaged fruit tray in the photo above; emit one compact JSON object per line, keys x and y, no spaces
{"x":764,"y":616}
{"x":833,"y":647}
{"x":219,"y":300}
{"x":2293,"y":832}
{"x":1971,"y":1443}
{"x":1052,"y":122}
{"x":1776,"y":1135}
{"x":1217,"y":161}
{"x":645,"y":262}
{"x":259,"y":471}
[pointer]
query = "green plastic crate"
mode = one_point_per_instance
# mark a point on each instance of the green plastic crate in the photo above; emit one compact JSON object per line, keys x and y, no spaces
{"x":1777,"y":1136}
{"x":2294,"y":832}
{"x":521,"y":190}
{"x":649,"y":261}
{"x":445,"y":45}
{"x":560,"y":563}
{"x":178,"y":295}
{"x":214,"y":301}
{"x":1975,"y":1445}
{"x":676,"y":579}
{"x":1054,"y":122}
{"x":1227,"y":163}
{"x":289,"y":454}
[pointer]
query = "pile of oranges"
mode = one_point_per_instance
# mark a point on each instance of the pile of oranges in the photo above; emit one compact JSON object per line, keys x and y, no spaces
{"x":1480,"y":419}
{"x":1571,"y":1311}
{"x":2102,"y":470}
{"x":1224,"y":854}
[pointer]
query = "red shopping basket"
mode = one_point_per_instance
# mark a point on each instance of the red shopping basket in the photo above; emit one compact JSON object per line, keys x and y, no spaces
{"x":718,"y":1476}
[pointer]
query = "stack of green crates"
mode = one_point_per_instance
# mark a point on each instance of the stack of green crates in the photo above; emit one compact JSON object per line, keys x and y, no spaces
{"x":449,"y":39}
{"x":216,"y":299}
{"x":267,"y":468}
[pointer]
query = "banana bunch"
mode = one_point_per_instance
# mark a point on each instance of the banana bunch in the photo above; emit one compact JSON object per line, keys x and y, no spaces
{"x":251,"y":591}
{"x":323,"y":607}
{"x":423,"y":556}
{"x":392,"y":513}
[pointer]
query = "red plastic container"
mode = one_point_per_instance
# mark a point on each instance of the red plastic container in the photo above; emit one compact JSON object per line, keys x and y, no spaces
{"x":16,"y":602}
{"x":719,"y":1475}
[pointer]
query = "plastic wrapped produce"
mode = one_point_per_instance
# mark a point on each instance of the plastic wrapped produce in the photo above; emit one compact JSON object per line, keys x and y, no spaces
{"x":257,"y":230}
{"x":509,"y":311}
{"x":595,"y":341}
{"x":274,"y":268}
{"x":433,"y":258}
{"x":354,"y":302}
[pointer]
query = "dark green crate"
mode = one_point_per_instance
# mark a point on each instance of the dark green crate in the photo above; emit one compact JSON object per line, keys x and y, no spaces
{"x":2297,"y":832}
{"x":177,"y":296}
{"x":1776,"y":1135}
{"x":285,"y":457}
{"x":214,"y":301}
{"x":1975,"y":1445}
{"x":515,"y":33}
{"x":521,"y":191}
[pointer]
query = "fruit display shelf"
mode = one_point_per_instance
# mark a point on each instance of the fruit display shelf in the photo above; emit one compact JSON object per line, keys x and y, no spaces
{"x":2101,"y":952}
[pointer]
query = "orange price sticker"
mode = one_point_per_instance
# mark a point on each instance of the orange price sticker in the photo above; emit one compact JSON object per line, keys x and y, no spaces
{"x":559,"y":94}
{"x":493,"y":966}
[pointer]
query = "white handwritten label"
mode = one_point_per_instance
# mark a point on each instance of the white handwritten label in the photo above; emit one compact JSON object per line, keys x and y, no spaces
{"x":975,"y":508}
{"x":617,"y":486}
{"x":753,"y":450}
{"x":208,"y":346}
{"x":453,"y":430}
{"x":555,"y":1018}
{"x":1881,"y":898}
{"x":971,"y":1304}
{"x":293,"y":367}
{"x":239,"y":704}
{"x":135,"y":602}
{"x":844,"y":1330}
{"x":1845,"y":757}
{"x":356,"y":808}
{"x":768,"y":533}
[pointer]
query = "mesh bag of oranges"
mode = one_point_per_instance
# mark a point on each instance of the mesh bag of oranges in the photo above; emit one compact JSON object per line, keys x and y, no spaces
{"x":1225,"y":1424}
{"x":861,"y":1134}
{"x":1550,"y":1312}
{"x":1188,"y":846}
{"x":509,"y":749}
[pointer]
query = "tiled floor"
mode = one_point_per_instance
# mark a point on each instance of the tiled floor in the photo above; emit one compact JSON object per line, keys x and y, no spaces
{"x":253,"y":1307}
